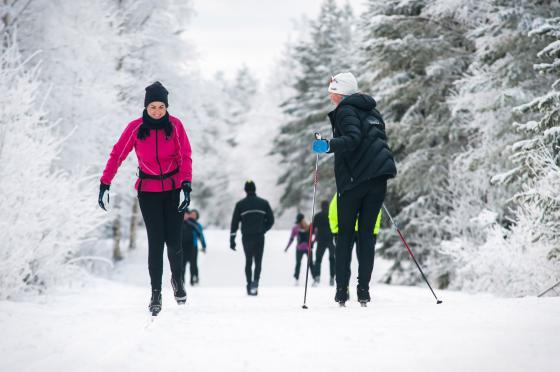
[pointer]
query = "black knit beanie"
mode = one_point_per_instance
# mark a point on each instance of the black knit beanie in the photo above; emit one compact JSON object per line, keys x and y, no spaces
{"x":156,"y":93}
{"x":250,"y":187}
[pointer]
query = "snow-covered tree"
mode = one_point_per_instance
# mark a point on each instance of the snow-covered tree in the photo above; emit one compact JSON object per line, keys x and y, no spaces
{"x":42,"y":217}
{"x":98,"y":57}
{"x":409,"y":61}
{"x":326,"y":49}
{"x":483,"y":178}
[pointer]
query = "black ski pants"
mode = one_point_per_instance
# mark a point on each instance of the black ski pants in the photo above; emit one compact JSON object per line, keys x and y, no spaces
{"x":321,"y":248}
{"x":253,"y":246}
{"x":363,"y":203}
{"x":190,"y":256}
{"x":163,"y":225}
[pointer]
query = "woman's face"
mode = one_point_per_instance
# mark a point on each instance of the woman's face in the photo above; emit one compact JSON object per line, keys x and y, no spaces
{"x":335,"y":98}
{"x":156,"y":110}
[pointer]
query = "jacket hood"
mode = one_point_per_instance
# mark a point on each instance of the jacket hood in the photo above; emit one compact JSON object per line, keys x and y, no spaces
{"x":359,"y":100}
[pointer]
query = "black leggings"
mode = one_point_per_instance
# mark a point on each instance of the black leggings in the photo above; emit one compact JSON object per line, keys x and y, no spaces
{"x":190,"y":255}
{"x":163,"y":225}
{"x":321,"y":248}
{"x":299,"y":257}
{"x":362,"y":203}
{"x":253,"y":246}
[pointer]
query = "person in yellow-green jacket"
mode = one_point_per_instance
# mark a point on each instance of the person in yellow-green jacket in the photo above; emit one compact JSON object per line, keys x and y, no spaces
{"x":333,"y":223}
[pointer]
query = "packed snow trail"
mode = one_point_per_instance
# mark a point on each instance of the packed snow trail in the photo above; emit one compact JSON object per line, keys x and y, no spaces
{"x":105,"y":325}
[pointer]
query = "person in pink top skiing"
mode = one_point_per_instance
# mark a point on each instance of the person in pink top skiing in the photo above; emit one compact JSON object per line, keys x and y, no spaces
{"x":164,"y":170}
{"x":301,"y":232}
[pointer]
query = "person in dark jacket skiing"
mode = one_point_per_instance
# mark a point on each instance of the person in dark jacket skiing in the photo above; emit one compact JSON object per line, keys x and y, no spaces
{"x":192,"y":233}
{"x":301,"y":232}
{"x":256,"y":218}
{"x":363,"y":163}
{"x":324,"y":239}
{"x":165,"y":169}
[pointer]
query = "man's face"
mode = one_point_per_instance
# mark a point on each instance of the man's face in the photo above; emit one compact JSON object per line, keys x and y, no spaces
{"x":335,"y":98}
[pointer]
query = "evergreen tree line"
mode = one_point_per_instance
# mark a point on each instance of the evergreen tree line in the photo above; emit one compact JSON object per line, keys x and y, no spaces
{"x":469,"y":91}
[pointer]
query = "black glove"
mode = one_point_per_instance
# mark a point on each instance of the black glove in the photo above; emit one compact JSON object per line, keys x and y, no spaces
{"x":186,"y":186}
{"x":102,"y":189}
{"x":232,"y":242}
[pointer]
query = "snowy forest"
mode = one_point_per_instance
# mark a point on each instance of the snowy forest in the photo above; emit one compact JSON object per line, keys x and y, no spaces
{"x":469,"y":89}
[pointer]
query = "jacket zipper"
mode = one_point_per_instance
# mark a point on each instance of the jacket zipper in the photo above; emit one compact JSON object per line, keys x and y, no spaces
{"x":159,"y":164}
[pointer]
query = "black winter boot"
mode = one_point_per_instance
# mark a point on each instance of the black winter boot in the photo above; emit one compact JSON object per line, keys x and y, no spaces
{"x":341,"y":295}
{"x":155,"y":302}
{"x":363,"y":295}
{"x":254,"y":288}
{"x":179,"y":289}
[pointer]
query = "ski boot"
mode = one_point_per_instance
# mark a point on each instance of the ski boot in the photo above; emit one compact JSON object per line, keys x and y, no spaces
{"x":155,"y":302}
{"x":331,"y":281}
{"x":179,"y":290}
{"x":363,"y":296}
{"x":248,"y":287}
{"x":254,"y":288}
{"x":341,"y":296}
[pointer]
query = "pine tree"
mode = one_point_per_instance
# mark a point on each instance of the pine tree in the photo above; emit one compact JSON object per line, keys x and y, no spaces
{"x":409,"y":61}
{"x":482,"y":183}
{"x":538,"y":157}
{"x":325,"y":51}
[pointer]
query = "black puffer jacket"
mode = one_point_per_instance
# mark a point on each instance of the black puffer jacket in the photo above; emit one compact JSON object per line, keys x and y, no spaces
{"x":359,"y":143}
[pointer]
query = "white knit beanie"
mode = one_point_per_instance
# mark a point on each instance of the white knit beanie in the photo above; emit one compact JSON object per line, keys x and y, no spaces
{"x":344,"y":83}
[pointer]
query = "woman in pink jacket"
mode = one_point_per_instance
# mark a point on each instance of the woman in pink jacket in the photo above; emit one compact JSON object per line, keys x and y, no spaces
{"x":301,"y":232}
{"x":164,"y":169}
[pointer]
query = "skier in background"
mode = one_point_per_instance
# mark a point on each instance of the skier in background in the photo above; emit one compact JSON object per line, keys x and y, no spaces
{"x":192,"y":233}
{"x":301,"y":232}
{"x":324,"y":239}
{"x":165,"y":168}
{"x":363,"y":162}
{"x":256,"y":218}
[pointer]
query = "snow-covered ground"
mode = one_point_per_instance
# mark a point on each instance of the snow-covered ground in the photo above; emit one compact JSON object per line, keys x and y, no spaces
{"x":105,"y":326}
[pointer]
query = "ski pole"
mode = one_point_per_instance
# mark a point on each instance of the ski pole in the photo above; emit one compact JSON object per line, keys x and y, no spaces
{"x":549,"y":289}
{"x":309,"y":252}
{"x":438,"y":301}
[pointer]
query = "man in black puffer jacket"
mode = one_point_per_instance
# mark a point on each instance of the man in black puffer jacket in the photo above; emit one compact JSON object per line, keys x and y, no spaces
{"x":256,"y":218}
{"x":363,"y":163}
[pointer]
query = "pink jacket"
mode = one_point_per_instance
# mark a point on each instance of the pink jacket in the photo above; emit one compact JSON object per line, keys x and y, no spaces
{"x":156,"y":155}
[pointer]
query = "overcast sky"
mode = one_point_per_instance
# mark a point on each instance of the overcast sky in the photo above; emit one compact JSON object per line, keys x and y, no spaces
{"x":230,"y":33}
